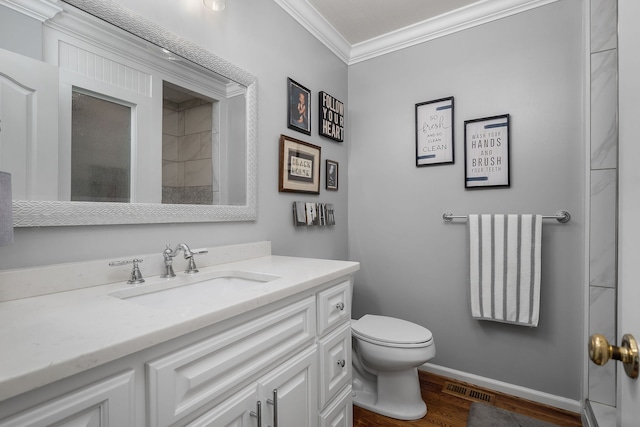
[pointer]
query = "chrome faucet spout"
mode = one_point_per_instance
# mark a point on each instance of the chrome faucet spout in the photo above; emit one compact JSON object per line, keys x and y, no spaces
{"x":169,"y":254}
{"x":180,"y":247}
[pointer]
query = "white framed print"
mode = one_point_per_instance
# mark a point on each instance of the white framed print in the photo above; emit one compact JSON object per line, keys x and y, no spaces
{"x":486,"y":152}
{"x":434,"y":132}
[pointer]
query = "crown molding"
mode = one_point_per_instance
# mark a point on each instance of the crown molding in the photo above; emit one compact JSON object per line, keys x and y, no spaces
{"x":461,"y":19}
{"x":453,"y":22}
{"x":41,"y":10}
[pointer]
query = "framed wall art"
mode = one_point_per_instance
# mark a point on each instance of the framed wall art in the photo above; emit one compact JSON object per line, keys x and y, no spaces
{"x":434,"y":132}
{"x":298,"y":107}
{"x":486,"y":152}
{"x":332,"y":175}
{"x":331,"y":114}
{"x":299,"y":166}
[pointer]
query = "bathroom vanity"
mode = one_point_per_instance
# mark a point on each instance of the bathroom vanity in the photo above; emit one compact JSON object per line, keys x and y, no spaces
{"x":270,"y":346}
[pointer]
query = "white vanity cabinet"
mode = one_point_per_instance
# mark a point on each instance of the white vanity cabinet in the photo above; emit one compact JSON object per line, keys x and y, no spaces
{"x":285,"y":364}
{"x":310,"y":388}
{"x":199,"y":375}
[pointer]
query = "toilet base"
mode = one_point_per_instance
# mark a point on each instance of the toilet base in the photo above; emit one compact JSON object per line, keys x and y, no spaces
{"x":396,"y":395}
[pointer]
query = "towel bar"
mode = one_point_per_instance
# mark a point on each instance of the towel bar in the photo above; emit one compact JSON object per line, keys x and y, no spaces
{"x":560,"y":216}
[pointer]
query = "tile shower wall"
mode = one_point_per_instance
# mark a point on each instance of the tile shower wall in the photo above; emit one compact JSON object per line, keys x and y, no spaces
{"x":603,"y":200}
{"x":188,"y":141}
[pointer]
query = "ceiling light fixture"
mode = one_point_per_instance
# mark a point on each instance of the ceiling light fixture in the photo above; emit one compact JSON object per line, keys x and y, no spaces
{"x":215,"y":5}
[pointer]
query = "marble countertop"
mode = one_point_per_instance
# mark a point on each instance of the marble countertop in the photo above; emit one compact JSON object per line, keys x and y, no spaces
{"x":49,"y":337}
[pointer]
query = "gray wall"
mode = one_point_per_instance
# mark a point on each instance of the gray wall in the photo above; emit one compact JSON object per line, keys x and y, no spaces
{"x":414,"y":265}
{"x":29,"y":43}
{"x":260,"y":37}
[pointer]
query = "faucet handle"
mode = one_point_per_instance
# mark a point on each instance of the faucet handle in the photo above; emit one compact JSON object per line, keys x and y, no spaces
{"x":136,"y":274}
{"x":191,"y":268}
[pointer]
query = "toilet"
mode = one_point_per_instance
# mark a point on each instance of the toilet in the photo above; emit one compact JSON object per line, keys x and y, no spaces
{"x":386,"y":355}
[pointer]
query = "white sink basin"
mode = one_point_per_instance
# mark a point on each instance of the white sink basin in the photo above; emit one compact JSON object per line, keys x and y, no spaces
{"x":198,"y":290}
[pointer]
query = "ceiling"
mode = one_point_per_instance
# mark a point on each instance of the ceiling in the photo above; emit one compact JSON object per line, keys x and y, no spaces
{"x":360,"y":20}
{"x":357,"y":30}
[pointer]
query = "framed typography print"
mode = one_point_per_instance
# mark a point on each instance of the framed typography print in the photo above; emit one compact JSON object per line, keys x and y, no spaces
{"x":299,"y":166}
{"x":298,"y":107}
{"x":434,"y":132}
{"x":331,"y":114}
{"x":486,"y":152}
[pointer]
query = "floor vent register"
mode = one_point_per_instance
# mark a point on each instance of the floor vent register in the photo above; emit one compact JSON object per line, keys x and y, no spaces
{"x":465,"y":392}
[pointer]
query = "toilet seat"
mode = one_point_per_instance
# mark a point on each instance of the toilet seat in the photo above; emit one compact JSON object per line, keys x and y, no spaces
{"x":390,"y":332}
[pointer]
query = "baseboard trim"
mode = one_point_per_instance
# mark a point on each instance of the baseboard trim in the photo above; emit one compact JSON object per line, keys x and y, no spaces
{"x":512,"y":389}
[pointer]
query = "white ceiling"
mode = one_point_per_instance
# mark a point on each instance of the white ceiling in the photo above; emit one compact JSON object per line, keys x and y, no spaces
{"x":360,"y":20}
{"x":357,"y":30}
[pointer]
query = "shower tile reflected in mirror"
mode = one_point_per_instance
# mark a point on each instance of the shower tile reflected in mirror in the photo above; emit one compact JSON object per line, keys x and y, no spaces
{"x":188,"y":149}
{"x":100,"y":149}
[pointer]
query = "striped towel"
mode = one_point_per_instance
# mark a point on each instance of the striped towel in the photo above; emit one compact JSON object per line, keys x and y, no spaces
{"x":504,"y":267}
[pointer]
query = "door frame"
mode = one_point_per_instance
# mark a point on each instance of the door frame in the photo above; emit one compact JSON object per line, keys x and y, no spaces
{"x":628,"y":390}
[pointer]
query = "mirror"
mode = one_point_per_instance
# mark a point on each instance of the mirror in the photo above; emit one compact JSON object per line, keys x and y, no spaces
{"x":163,"y":186}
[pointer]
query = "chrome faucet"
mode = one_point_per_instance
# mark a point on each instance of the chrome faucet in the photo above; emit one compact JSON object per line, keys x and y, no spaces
{"x":169,"y":254}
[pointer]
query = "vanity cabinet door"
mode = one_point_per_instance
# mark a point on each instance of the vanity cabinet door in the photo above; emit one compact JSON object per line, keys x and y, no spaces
{"x":107,"y":403}
{"x":233,"y":412}
{"x":291,"y":391}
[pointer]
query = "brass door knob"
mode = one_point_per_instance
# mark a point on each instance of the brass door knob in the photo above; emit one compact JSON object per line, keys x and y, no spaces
{"x":600,"y":352}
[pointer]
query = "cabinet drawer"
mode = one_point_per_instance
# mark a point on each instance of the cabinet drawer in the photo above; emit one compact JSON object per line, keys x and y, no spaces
{"x":335,"y":362}
{"x":340,"y":412}
{"x":334,"y":306}
{"x":189,"y":378}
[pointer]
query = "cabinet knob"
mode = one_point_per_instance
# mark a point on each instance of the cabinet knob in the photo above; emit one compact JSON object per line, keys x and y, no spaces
{"x":341,"y":363}
{"x":340,"y":306}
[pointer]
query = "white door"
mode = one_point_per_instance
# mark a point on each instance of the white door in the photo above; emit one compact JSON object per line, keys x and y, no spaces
{"x":29,"y":126}
{"x":628,"y":399}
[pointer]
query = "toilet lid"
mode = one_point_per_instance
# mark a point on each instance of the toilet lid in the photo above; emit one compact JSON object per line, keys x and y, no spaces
{"x":390,"y":330}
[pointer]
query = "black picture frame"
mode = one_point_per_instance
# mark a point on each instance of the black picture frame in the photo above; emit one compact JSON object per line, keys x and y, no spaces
{"x":330,"y":117}
{"x":486,"y":152}
{"x":331,"y":173}
{"x":434,"y":132}
{"x":298,"y":107}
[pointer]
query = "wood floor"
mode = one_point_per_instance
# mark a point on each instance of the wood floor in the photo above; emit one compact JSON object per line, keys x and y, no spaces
{"x":446,"y":410}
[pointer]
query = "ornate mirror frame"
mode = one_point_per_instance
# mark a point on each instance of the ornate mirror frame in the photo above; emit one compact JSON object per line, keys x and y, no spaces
{"x":62,"y":213}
